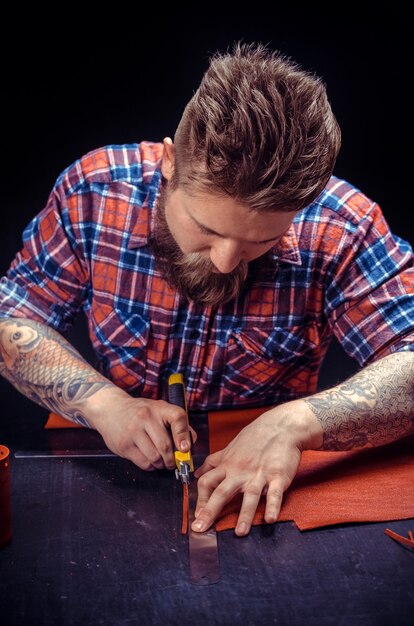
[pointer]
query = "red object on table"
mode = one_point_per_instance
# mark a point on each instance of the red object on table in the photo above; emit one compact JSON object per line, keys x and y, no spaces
{"x":5,"y":497}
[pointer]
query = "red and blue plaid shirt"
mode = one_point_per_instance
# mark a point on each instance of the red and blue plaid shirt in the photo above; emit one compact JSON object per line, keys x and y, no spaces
{"x":339,"y":271}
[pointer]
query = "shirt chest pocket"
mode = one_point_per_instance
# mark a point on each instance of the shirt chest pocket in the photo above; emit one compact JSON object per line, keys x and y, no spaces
{"x":120,"y":338}
{"x":262,"y":360}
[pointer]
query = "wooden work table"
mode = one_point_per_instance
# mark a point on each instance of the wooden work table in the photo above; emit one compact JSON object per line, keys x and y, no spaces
{"x":96,"y":541}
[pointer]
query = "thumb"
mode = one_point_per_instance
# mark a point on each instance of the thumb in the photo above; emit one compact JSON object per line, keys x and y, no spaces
{"x":180,"y":431}
{"x":210,"y":462}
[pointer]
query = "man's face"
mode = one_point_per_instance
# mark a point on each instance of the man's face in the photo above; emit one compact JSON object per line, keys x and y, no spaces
{"x":206,"y":242}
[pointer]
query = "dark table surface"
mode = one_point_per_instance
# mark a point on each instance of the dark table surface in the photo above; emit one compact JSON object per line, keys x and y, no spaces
{"x":96,"y":541}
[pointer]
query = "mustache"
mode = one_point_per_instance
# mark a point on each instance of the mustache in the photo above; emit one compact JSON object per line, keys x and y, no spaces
{"x":206,"y":285}
{"x":194,"y":275}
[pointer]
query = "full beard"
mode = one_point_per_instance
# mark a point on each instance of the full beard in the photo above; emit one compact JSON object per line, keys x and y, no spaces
{"x":193,"y":274}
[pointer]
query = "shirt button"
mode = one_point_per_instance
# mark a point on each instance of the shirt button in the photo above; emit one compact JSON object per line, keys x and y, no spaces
{"x":194,"y":334}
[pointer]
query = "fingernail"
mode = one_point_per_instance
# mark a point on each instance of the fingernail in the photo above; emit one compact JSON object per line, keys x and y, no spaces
{"x":184,"y":445}
{"x":242,"y":528}
{"x":198,"y":526}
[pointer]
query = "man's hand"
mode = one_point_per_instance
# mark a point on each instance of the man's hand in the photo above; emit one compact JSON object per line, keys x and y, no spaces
{"x":372,"y":408}
{"x":138,"y":429}
{"x":262,"y":459}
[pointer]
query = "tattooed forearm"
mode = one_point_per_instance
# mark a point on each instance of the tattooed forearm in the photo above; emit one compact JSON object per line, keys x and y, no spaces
{"x":374,"y":407}
{"x":43,"y":366}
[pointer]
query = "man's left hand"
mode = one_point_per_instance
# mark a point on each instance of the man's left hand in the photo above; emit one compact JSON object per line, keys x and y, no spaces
{"x":262,"y":459}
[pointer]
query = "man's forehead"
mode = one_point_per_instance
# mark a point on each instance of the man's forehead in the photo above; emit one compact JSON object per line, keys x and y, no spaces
{"x":224,"y":216}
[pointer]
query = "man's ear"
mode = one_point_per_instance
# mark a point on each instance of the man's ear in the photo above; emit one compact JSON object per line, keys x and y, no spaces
{"x":168,"y":158}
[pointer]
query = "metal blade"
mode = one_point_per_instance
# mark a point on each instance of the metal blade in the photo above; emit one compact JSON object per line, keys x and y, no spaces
{"x":203,"y":548}
{"x":42,"y":454}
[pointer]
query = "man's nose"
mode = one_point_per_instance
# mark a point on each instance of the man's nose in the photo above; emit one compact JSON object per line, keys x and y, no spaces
{"x":226,"y":255}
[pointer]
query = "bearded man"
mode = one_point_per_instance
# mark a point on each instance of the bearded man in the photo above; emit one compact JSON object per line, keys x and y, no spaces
{"x":232,"y":255}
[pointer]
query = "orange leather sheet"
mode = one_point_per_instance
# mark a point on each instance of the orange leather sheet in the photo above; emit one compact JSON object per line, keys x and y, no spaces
{"x":57,"y":421}
{"x":369,"y":485}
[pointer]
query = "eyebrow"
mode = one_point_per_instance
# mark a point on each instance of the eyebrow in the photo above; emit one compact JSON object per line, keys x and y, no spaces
{"x":213,"y":232}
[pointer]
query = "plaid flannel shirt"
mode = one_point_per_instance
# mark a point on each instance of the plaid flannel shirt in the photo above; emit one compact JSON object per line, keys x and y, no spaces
{"x":337,"y":271}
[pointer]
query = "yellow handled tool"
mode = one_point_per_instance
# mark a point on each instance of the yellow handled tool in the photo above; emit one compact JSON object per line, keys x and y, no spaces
{"x":202,"y":547}
{"x":177,"y":396}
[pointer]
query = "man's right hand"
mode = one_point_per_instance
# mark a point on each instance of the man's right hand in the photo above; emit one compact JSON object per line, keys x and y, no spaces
{"x":139,"y":429}
{"x":134,"y":428}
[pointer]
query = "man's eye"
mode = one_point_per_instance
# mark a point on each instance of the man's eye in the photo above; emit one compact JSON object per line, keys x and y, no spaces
{"x":266,"y":243}
{"x":205,"y":231}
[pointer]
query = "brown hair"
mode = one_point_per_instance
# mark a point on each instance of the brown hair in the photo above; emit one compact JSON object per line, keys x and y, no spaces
{"x":260,"y":129}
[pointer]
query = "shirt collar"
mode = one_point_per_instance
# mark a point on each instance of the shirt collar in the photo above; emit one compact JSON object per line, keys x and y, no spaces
{"x":287,"y":249}
{"x":144,"y":226}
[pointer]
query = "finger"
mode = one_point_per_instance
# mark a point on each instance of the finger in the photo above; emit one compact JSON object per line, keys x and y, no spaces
{"x":149,"y":451}
{"x":206,"y":486}
{"x":135,"y":455}
{"x":209,"y":509}
{"x":210,"y":462}
{"x":251,"y":498}
{"x":178,"y":421}
{"x":161,"y":444}
{"x":274,"y":499}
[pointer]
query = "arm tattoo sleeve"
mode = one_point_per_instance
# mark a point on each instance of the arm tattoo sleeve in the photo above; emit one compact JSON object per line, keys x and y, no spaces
{"x":43,"y":366}
{"x":374,"y":407}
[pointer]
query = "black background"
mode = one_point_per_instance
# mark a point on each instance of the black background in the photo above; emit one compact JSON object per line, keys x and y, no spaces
{"x":126,"y":74}
{"x":82,"y":83}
